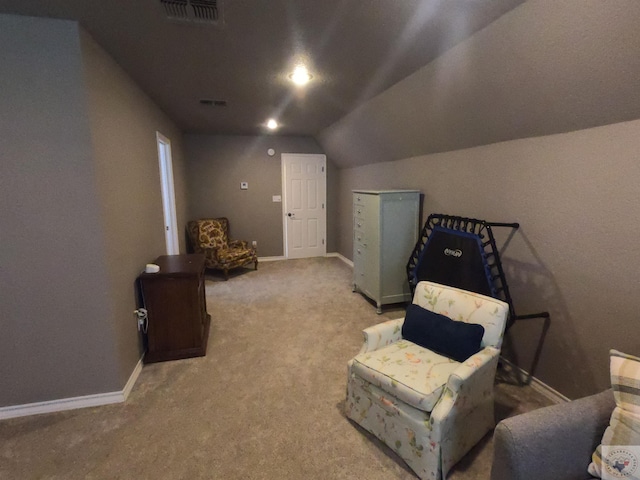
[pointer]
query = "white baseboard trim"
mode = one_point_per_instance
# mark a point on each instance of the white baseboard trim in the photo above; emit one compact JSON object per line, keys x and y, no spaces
{"x":332,"y":254}
{"x":133,"y":378}
{"x":72,"y":403}
{"x":270,"y":259}
{"x":538,"y":385}
{"x":341,"y":257}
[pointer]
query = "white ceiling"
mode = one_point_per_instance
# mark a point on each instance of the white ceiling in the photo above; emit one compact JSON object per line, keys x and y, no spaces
{"x":355,"y":49}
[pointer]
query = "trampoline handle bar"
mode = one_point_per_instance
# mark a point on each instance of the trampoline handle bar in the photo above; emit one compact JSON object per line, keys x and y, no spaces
{"x":500,"y":224}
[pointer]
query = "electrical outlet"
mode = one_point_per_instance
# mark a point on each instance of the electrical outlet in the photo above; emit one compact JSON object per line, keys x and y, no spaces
{"x":254,"y":244}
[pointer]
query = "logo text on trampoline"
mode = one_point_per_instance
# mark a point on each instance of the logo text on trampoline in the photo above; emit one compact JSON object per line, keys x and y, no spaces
{"x":453,"y":253}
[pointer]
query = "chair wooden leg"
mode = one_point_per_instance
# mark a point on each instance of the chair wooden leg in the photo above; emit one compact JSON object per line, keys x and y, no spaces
{"x":226,"y":274}
{"x":256,"y":264}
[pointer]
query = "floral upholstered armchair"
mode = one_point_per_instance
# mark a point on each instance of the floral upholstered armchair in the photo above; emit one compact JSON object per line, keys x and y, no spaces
{"x":211,"y":237}
{"x":429,"y":408}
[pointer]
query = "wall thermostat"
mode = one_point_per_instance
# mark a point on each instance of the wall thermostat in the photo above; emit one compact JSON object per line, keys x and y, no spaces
{"x":271,"y":152}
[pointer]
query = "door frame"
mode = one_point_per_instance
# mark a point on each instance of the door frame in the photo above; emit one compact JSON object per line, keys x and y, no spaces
{"x":285,"y":247}
{"x":168,"y":194}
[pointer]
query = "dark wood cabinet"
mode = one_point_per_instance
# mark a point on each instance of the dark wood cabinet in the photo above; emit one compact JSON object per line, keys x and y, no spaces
{"x":178,"y":323}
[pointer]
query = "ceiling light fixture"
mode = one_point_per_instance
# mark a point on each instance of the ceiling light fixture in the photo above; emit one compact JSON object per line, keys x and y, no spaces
{"x":300,"y":75}
{"x":272,"y":124}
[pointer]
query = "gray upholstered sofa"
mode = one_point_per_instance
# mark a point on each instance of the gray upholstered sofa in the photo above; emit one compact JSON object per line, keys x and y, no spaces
{"x":552,"y":443}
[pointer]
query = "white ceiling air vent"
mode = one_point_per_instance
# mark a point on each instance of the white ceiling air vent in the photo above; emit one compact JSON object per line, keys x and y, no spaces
{"x":202,"y":11}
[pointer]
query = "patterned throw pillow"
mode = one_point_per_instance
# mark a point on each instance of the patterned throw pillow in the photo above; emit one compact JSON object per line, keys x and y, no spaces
{"x":624,"y":426}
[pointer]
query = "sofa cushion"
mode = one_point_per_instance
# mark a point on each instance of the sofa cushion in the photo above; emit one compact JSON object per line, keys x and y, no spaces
{"x":413,"y":374}
{"x":456,"y":340}
{"x":232,"y":255}
{"x":619,"y":451}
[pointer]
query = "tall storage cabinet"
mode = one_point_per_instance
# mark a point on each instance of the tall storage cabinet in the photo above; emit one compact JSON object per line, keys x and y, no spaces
{"x":385,"y":232}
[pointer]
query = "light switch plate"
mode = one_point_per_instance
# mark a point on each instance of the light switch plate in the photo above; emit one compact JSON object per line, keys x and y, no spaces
{"x":277,"y":198}
{"x":244,"y":185}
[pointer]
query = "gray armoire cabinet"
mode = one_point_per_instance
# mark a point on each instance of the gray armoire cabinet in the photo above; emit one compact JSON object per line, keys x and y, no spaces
{"x":385,"y":231}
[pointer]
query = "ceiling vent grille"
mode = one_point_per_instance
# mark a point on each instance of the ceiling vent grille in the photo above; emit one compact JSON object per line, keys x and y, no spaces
{"x":213,"y":103}
{"x":205,"y":10}
{"x":202,"y":11}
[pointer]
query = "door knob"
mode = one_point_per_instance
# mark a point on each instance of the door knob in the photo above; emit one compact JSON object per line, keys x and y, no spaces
{"x":290,"y":214}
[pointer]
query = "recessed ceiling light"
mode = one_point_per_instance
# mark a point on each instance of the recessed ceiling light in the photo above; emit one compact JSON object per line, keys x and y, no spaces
{"x":272,"y":124}
{"x":300,"y":75}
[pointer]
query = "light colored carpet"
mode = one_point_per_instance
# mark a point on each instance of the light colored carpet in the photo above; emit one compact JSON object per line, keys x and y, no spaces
{"x":265,"y":403}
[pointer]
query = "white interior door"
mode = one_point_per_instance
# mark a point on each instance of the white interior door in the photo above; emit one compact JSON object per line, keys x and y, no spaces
{"x":168,"y":195}
{"x":304,"y":204}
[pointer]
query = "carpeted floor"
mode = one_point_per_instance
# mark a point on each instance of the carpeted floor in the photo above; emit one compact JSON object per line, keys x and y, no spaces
{"x":265,"y":403}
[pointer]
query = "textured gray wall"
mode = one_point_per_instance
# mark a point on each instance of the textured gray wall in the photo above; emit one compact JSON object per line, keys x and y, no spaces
{"x":545,"y":67}
{"x":216,"y":166}
{"x":82,"y":214}
{"x":123,"y":124}
{"x":56,"y":337}
{"x":576,"y":253}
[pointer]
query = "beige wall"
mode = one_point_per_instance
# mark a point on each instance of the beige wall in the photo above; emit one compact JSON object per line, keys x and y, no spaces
{"x":218,"y":163}
{"x":123,"y":124}
{"x":56,"y":339}
{"x":576,"y":253}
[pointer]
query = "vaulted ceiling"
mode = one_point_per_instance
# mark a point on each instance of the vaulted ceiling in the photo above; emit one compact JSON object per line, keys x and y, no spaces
{"x":391,"y":78}
{"x":544,"y":68}
{"x":354,"y":49}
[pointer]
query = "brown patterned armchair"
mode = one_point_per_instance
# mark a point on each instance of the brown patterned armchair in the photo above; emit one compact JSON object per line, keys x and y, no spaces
{"x":210,"y":236}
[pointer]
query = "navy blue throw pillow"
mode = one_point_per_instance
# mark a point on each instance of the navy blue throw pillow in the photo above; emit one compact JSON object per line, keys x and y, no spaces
{"x":456,"y":340}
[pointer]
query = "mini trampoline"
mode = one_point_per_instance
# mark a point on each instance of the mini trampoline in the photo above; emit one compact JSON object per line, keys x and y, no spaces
{"x":461,"y":252}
